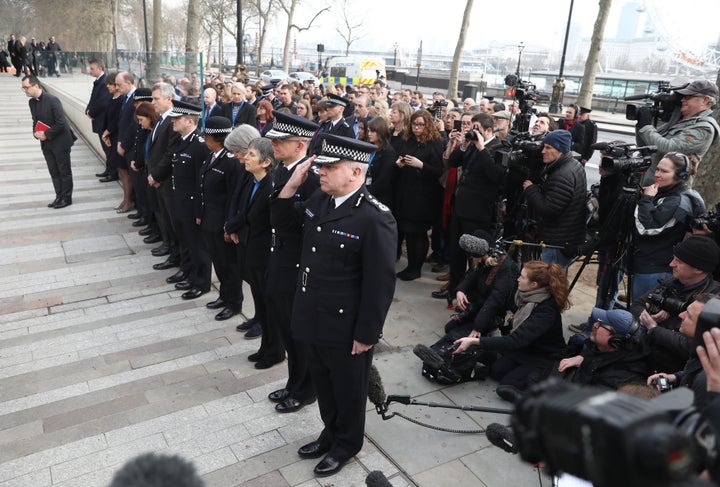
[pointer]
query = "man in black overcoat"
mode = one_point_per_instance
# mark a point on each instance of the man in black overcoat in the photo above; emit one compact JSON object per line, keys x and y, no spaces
{"x":97,"y":106}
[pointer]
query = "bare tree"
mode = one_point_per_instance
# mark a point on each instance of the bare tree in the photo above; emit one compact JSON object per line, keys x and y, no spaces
{"x":153,"y":69}
{"x":264,"y":8}
{"x":289,"y":7}
{"x":455,"y":70}
{"x":192,"y":37}
{"x":588,"y":81}
{"x":706,"y":181}
{"x":351,"y":25}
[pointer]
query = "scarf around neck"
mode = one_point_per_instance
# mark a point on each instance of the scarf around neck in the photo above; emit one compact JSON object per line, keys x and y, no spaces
{"x":526,"y":302}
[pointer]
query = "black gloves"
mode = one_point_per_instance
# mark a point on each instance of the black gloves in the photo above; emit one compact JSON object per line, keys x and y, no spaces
{"x":644,"y":117}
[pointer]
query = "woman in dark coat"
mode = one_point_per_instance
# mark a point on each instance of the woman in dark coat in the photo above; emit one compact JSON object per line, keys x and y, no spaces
{"x":382,"y":171}
{"x":418,"y":198}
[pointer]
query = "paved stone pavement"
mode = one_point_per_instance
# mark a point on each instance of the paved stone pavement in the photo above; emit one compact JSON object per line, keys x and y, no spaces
{"x":100,"y":359}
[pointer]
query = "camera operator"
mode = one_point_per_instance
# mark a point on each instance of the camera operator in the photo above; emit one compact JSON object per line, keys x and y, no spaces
{"x":478,"y":191}
{"x":572,"y":125}
{"x":559,"y":200}
{"x":615,"y":353}
{"x":658,"y":311}
{"x":691,"y":130}
{"x":692,"y":375}
{"x":662,"y":217}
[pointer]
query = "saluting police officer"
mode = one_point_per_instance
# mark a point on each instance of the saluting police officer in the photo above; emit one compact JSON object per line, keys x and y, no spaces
{"x":190,"y":153}
{"x":344,"y":291}
{"x":219,"y":176}
{"x":290,"y":136}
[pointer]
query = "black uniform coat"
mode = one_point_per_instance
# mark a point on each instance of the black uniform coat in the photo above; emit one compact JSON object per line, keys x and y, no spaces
{"x":218,"y":180}
{"x":98,"y":104}
{"x":347,"y":268}
{"x":250,"y":219}
{"x":188,"y":158}
{"x":382,"y":174}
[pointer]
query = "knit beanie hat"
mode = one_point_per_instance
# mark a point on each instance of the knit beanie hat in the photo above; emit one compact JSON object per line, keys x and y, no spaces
{"x":560,"y":139}
{"x":698,"y":252}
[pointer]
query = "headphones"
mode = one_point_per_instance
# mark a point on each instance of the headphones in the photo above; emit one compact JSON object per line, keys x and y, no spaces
{"x":625,"y":341}
{"x":682,"y":174}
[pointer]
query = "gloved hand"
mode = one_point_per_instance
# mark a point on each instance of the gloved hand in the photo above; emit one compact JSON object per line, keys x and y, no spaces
{"x":644,"y":117}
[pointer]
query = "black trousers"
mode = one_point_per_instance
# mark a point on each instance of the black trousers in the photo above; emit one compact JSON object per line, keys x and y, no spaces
{"x":165,"y":221}
{"x":58,"y":164}
{"x":271,"y":345}
{"x":227,"y":268}
{"x":194,"y":251}
{"x":279,"y":311}
{"x":341,"y":382}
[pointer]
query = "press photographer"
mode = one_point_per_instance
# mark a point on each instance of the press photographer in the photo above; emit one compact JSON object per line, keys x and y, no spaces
{"x":690,"y":128}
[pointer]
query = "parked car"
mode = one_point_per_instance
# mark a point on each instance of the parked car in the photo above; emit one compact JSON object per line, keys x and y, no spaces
{"x":273,"y":74}
{"x":302,"y":76}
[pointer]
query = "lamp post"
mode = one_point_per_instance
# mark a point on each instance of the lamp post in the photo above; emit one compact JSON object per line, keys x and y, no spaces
{"x":418,"y":64}
{"x":240,"y":55}
{"x":395,"y":47}
{"x":559,"y":84}
{"x":521,"y":46}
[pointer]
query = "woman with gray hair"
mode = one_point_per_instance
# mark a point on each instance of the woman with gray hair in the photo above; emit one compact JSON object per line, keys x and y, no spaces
{"x":238,"y":140}
{"x":250,"y":229}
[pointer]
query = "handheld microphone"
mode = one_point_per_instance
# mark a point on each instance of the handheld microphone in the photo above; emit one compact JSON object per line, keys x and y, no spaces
{"x":377,"y":479}
{"x":376,"y":390}
{"x":502,"y":437}
{"x":427,"y":354}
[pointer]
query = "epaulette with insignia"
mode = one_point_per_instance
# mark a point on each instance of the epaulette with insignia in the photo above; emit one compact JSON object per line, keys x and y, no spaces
{"x":376,"y":203}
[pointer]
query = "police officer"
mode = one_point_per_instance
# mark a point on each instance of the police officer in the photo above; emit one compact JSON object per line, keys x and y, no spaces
{"x":335,"y":124}
{"x":344,"y":291}
{"x":290,"y":137}
{"x":190,"y":152}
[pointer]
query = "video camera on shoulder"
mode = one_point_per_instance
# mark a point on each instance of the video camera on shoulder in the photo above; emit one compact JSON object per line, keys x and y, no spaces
{"x":519,"y":147}
{"x":663,"y":102}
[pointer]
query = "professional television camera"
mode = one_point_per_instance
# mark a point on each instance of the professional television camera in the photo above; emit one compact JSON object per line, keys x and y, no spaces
{"x":711,"y":219}
{"x":664,"y":102}
{"x":519,"y":147}
{"x":611,"y":439}
{"x":526,"y":94}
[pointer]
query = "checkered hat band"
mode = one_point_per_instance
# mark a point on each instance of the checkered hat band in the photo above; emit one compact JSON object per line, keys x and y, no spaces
{"x":185,"y":111}
{"x":218,"y":131}
{"x":344,"y":153}
{"x":292,"y":129}
{"x":143,"y":98}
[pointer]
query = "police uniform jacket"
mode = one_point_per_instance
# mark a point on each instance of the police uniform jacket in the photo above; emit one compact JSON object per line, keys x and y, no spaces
{"x":187,"y":161}
{"x":218,"y":179}
{"x":347,"y":268}
{"x":286,"y":241}
{"x":48,"y":110}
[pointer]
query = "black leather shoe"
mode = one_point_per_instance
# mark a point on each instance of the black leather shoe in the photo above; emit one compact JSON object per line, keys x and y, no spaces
{"x":152,"y":238}
{"x":134,"y":216}
{"x":192,"y":293}
{"x":290,"y":405}
{"x":161,"y":251}
{"x":509,"y":393}
{"x":145,"y":232}
{"x":53,"y":203}
{"x":225,"y":314}
{"x":140,"y":223}
{"x":266,"y":363}
{"x":246,"y":325}
{"x":183,"y":286}
{"x":109,"y":178}
{"x":179,"y":276}
{"x":167,"y":264}
{"x":254,"y":357}
{"x":217,"y":304}
{"x":440,"y":294}
{"x":63,"y":203}
{"x":103,"y":174}
{"x":254,"y":332}
{"x":314,"y":449}
{"x":279,"y":396}
{"x":328,"y":466}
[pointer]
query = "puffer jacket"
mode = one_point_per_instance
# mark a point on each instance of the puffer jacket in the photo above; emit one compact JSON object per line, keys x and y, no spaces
{"x":559,"y":202}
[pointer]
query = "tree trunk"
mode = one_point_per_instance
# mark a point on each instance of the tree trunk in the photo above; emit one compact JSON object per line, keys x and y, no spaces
{"x":453,"y":82}
{"x":288,"y":31}
{"x":192,"y":60}
{"x":591,"y":64}
{"x":706,"y":181}
{"x":153,"y":70}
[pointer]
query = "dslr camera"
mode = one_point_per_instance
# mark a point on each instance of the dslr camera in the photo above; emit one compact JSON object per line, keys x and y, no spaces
{"x":664,"y":298}
{"x":662,"y":102}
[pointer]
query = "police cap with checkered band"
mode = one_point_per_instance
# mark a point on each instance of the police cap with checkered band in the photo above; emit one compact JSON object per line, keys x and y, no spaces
{"x":181,"y":108}
{"x":286,"y":125}
{"x":334,"y":148}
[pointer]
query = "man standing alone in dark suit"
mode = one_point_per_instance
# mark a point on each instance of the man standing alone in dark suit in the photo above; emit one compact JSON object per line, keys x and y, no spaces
{"x":344,"y":291}
{"x":52,"y":130}
{"x":96,"y":107}
{"x":13,"y":51}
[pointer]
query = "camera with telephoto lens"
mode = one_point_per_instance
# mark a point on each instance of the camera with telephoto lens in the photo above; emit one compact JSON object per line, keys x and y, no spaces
{"x":664,"y":298}
{"x":711,"y":219}
{"x":625,"y":158}
{"x":664,"y":102}
{"x":436,"y":108}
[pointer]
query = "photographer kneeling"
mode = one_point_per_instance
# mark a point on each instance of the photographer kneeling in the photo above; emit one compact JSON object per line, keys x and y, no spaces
{"x":658,"y":311}
{"x":533,"y":346}
{"x":692,"y":374}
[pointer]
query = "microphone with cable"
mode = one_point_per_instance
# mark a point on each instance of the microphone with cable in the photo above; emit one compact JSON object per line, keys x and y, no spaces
{"x":376,"y":390}
{"x":474,"y":246}
{"x":502,"y":437}
{"x":377,"y":479}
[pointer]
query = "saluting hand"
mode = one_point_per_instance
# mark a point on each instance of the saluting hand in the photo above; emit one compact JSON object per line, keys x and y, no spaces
{"x":298,"y":177}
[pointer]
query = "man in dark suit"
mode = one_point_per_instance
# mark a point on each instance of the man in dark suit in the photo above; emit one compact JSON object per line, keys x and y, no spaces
{"x":51,"y":48}
{"x":159,"y":164}
{"x":344,"y":290}
{"x":127,"y":125}
{"x":53,"y":131}
{"x":212,"y":107}
{"x":14,"y":58}
{"x":290,"y":136}
{"x":97,"y":106}
{"x":239,"y":111}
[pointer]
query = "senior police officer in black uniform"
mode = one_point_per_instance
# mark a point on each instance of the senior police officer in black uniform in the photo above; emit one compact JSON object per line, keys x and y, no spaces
{"x":290,"y":136}
{"x":344,"y":291}
{"x":188,"y":157}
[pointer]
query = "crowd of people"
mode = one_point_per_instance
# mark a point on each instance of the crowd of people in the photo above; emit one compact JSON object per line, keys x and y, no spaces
{"x":32,"y":57}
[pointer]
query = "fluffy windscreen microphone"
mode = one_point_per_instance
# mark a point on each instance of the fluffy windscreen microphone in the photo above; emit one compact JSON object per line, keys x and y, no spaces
{"x":475,"y":246}
{"x":377,"y":479}
{"x":376,"y":391}
{"x":502,"y":437}
{"x":429,"y":356}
